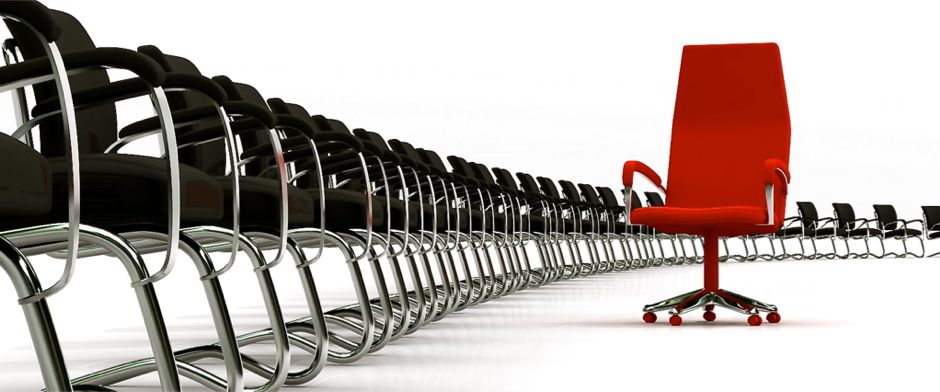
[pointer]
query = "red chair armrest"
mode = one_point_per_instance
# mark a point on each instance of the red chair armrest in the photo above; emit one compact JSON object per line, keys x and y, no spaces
{"x":775,"y":169}
{"x":631,"y":167}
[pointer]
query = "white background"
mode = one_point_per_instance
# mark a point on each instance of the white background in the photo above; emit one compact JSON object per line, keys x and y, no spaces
{"x":568,"y":91}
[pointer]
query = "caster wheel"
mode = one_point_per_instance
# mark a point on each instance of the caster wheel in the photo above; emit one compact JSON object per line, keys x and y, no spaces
{"x":710,"y":307}
{"x":773,"y":317}
{"x":649,"y":317}
{"x":754,"y":320}
{"x":709,"y":315}
{"x":675,"y":320}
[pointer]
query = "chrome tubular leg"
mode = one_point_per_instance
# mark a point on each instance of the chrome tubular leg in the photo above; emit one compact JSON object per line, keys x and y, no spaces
{"x":38,"y":318}
{"x":384,"y":321}
{"x":41,"y":237}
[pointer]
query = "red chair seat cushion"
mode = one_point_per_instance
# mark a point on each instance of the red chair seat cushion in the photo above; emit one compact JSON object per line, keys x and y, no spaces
{"x":724,"y":221}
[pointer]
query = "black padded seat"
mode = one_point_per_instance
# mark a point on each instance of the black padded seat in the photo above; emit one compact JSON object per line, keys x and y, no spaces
{"x":124,"y":189}
{"x":902,"y":233}
{"x":397,"y":218}
{"x":25,"y":182}
{"x":789,"y":232}
{"x":346,"y":209}
{"x":857,"y":232}
{"x":397,"y":209}
{"x":934,"y":235}
{"x":259,"y":198}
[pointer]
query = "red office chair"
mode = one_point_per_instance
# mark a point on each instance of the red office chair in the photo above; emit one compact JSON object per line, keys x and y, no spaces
{"x":728,"y":164}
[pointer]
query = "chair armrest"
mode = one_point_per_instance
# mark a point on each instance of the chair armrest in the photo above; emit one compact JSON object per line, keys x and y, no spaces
{"x":40,"y":69}
{"x":339,"y":137}
{"x":631,"y":167}
{"x":776,"y":173}
{"x":131,"y":88}
{"x":791,"y":220}
{"x":259,"y":116}
{"x":775,"y":169}
{"x":904,"y":223}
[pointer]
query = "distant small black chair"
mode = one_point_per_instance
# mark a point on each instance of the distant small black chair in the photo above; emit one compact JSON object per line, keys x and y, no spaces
{"x":889,"y":226}
{"x":931,"y":224}
{"x":849,"y":227}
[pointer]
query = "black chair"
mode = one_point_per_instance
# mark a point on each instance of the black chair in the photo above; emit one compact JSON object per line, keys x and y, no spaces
{"x":849,"y":227}
{"x":889,"y":226}
{"x":551,"y":212}
{"x":203,"y":208}
{"x":606,"y":233}
{"x":931,"y":224}
{"x":572,"y":225}
{"x":590,"y":228}
{"x":63,"y":134}
{"x":629,"y":234}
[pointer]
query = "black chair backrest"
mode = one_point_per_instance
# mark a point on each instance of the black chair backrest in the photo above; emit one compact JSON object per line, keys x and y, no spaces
{"x":570,"y":191}
{"x":610,"y":198}
{"x":886,"y":215}
{"x":433,"y":160}
{"x":845,"y":215}
{"x":461,"y":166}
{"x":808,"y":214}
{"x":528,"y":183}
{"x":208,"y":157}
{"x":248,"y":138}
{"x":931,"y":217}
{"x":504,"y":178}
{"x":634,"y":201}
{"x":590,"y":195}
{"x":548,"y":188}
{"x":483,"y":173}
{"x":97,"y":125}
{"x":654,"y":199}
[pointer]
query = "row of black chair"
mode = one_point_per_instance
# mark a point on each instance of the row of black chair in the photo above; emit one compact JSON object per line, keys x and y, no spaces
{"x":240,"y":175}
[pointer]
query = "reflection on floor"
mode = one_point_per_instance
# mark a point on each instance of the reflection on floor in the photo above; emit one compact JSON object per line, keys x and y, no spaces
{"x":847,"y":325}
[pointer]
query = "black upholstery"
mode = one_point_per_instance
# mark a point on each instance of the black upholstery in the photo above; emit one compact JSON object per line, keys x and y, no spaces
{"x":654,"y":199}
{"x":887,"y":217}
{"x":888,"y":222}
{"x":570,"y":191}
{"x":25,"y":182}
{"x":33,"y":13}
{"x":845,"y":215}
{"x":96,"y":125}
{"x":931,"y":218}
{"x":117,"y":189}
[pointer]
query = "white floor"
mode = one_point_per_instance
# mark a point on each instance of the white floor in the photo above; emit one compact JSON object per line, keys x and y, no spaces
{"x":847,"y":325}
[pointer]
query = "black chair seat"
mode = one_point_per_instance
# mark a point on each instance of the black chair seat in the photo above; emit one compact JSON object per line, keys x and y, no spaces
{"x":346,"y":209}
{"x":789,"y":232}
{"x":259,"y":203}
{"x":902,"y":233}
{"x":122,"y":190}
{"x":25,"y":182}
{"x":933,"y":235}
{"x":397,"y":219}
{"x":860,"y":232}
{"x":823,"y":232}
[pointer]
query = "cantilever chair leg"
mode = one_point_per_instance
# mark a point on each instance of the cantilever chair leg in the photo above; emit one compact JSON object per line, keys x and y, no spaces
{"x":38,"y":317}
{"x":227,"y":348}
{"x":50,"y":238}
{"x":354,"y":350}
{"x":382,"y":313}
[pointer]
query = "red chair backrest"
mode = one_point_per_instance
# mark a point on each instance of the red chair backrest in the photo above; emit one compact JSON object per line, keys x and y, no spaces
{"x":731,"y":115}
